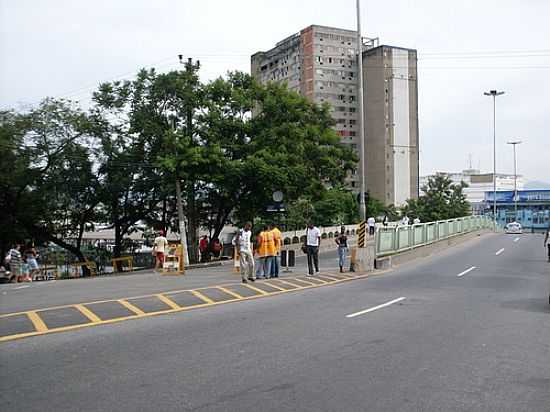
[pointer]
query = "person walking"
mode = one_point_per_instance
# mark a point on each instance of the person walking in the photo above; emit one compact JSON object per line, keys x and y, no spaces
{"x":159,"y":249}
{"x":278,"y":241}
{"x":547,"y":242}
{"x":31,"y":255}
{"x":342,"y":242}
{"x":371,"y":223}
{"x":244,"y":242}
{"x":313,"y":241}
{"x":16,"y":262}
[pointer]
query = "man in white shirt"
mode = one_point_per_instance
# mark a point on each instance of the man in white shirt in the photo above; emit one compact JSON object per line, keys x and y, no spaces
{"x":313,"y":241}
{"x":243,"y":241}
{"x":405,"y":220}
{"x":159,"y":249}
{"x":371,"y":223}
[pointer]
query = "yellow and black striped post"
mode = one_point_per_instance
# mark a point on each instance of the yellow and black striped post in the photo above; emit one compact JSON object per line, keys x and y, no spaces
{"x":361,"y":233}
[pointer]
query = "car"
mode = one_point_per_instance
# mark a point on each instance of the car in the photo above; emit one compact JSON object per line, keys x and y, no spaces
{"x":513,"y":228}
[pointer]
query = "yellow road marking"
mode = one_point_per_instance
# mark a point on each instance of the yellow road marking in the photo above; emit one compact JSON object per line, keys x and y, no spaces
{"x":169,"y":302}
{"x":330,"y":277}
{"x":88,"y":313}
{"x":202,"y":296}
{"x":286,"y":282}
{"x":307,"y":282}
{"x":277,"y":287}
{"x":260,"y":291}
{"x":131,"y":307}
{"x":37,"y":322}
{"x":230,"y":292}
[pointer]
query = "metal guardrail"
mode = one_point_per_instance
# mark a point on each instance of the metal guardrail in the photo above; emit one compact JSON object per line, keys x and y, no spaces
{"x":391,"y":240}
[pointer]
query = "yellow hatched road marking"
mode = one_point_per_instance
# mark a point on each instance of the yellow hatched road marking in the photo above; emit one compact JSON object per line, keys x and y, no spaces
{"x":277,"y":287}
{"x":306,"y":281}
{"x":330,"y":277}
{"x":88,"y":313}
{"x":37,"y":322}
{"x":260,"y":291}
{"x":291,"y":284}
{"x":230,"y":292}
{"x":202,"y":296}
{"x":168,"y":301}
{"x":131,"y":307}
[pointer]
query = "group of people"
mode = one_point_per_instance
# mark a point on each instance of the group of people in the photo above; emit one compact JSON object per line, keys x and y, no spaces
{"x":22,"y":264}
{"x":267,"y":252}
{"x":209,"y":249}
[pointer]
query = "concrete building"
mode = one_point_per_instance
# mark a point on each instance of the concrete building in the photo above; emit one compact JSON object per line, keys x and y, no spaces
{"x":391,"y":102}
{"x":478,"y":184}
{"x":320,"y":63}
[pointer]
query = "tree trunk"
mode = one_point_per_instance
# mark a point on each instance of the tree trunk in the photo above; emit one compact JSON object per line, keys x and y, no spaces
{"x":118,"y":246}
{"x":193,"y":225}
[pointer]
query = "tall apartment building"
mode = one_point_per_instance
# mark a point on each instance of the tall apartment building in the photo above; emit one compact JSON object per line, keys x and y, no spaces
{"x":391,"y":133}
{"x":321,"y":63}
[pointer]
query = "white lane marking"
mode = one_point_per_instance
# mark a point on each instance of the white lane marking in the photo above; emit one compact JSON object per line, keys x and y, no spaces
{"x":499,"y":251}
{"x":21,"y":287}
{"x":466,"y":271}
{"x":516,"y":239}
{"x":391,"y":302}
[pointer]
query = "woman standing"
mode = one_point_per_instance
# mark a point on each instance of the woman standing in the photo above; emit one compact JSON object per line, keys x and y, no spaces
{"x":31,"y":256}
{"x":342,"y":242}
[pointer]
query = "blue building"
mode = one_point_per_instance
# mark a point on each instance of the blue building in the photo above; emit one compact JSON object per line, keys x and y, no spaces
{"x":533,"y":208}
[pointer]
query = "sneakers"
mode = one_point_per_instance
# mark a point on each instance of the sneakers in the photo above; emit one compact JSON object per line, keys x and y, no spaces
{"x":245,"y":281}
{"x":251,"y":279}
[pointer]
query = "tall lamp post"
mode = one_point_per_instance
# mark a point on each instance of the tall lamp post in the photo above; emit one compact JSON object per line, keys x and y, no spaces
{"x":494,"y":94}
{"x":360,"y":92}
{"x":514,"y":144}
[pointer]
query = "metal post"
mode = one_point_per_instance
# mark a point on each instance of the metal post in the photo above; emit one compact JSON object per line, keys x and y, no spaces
{"x":494,"y":94}
{"x":360,"y":94}
{"x":514,"y":144}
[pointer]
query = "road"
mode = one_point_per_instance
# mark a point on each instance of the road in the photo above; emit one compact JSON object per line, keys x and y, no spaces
{"x":466,"y":330}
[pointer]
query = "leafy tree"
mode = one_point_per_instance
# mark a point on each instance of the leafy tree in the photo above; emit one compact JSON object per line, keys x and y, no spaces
{"x":441,"y":200}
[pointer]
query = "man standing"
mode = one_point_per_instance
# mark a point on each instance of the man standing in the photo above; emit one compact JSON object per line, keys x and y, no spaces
{"x":278,"y":239}
{"x":371,"y":222}
{"x":266,"y":251}
{"x":244,"y":243}
{"x":203,"y":248}
{"x":547,"y":242}
{"x":16,"y":262}
{"x":159,"y":248}
{"x":313,"y":241}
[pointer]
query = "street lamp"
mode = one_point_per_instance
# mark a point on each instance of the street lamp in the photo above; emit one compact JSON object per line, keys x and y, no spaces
{"x":362,"y":206}
{"x":514,"y":144}
{"x":494,"y":94}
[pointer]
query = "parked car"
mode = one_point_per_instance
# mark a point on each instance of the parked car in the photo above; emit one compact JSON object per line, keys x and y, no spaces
{"x":513,"y":228}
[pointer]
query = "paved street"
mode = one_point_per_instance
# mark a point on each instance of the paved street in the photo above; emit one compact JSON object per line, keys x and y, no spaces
{"x":468,"y":329}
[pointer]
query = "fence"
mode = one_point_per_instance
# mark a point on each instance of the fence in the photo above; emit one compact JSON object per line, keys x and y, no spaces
{"x":390,"y":240}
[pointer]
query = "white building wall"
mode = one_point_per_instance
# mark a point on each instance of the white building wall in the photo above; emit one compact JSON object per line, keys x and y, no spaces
{"x":401,"y":130}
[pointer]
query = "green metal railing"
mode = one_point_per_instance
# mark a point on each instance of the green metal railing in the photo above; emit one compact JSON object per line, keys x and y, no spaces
{"x":390,"y":240}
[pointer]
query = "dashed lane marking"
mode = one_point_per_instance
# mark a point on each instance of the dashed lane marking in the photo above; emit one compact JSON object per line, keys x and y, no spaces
{"x":384,"y":305}
{"x":516,"y":240}
{"x":499,"y":251}
{"x":59,"y":319}
{"x":466,"y":271}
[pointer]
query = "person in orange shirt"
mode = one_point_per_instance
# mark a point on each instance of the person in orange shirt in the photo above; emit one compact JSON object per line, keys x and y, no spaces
{"x":278,"y":239}
{"x":266,"y":252}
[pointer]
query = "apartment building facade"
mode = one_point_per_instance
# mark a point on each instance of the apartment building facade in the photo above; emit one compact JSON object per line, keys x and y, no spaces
{"x":320,"y":63}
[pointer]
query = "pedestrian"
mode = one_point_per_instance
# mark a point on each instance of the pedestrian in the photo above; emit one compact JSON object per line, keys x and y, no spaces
{"x":313,"y":241}
{"x":31,"y":257}
{"x":244,"y":242}
{"x":405,"y":220}
{"x":371,"y":223}
{"x":547,"y":242}
{"x":216,"y":248}
{"x":416,"y":221}
{"x":203,"y":248}
{"x":386,"y":221}
{"x":16,"y":262}
{"x":342,"y":242}
{"x":159,"y":249}
{"x":266,"y":251}
{"x":278,"y":239}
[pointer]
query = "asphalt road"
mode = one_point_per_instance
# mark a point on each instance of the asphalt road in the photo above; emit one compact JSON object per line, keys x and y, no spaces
{"x":479,"y":341}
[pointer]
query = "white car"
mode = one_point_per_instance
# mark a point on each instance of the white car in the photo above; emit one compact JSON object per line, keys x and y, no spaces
{"x":513,"y":228}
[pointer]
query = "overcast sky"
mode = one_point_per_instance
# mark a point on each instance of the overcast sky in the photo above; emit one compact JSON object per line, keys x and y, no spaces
{"x":65,"y":48}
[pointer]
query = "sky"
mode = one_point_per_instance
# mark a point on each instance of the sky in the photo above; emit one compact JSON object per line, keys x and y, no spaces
{"x":63,"y":48}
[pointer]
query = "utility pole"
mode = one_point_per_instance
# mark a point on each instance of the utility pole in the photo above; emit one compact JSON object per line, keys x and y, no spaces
{"x":362,"y":205}
{"x":514,"y":144}
{"x":494,"y":94}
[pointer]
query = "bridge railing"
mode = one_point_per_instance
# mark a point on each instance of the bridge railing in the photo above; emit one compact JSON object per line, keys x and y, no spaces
{"x":390,"y":240}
